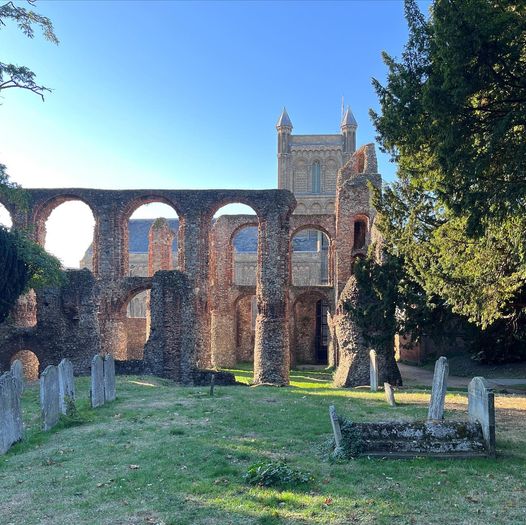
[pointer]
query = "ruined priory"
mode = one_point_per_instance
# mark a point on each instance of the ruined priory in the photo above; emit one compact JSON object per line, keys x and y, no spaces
{"x":175,"y":296}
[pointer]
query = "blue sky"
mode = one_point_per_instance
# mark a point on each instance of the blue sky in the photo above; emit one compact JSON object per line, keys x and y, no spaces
{"x":187,"y":94}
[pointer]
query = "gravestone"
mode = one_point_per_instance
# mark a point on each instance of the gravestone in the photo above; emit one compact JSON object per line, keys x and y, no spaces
{"x":49,"y":400}
{"x":109,"y":378}
{"x":17,"y":371}
{"x":373,"y":371}
{"x":389,"y":394}
{"x":11,"y":428}
{"x":212,"y":384}
{"x":438,"y":390}
{"x":97,"y":381}
{"x":335,"y":426}
{"x":66,"y":385}
{"x":481,"y":408}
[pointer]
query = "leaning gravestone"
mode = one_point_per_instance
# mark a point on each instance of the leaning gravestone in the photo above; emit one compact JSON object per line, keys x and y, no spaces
{"x":49,"y":401}
{"x":11,"y":428}
{"x":97,"y":381}
{"x":17,"y":371}
{"x":481,"y":408}
{"x":66,"y":385}
{"x":109,"y":378}
{"x":335,"y":422}
{"x":373,"y":371}
{"x":438,"y":390}
{"x":389,"y":394}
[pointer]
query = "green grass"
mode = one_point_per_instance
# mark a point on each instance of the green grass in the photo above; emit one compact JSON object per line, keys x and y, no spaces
{"x":171,"y":455}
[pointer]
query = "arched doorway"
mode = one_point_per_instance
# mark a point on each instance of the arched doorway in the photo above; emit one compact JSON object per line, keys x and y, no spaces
{"x":311,"y":334}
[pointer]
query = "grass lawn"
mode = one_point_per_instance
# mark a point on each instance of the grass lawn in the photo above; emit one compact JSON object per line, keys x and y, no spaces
{"x":170,"y":455}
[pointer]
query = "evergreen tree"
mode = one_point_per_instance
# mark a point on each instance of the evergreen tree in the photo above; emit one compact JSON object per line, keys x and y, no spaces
{"x":453,"y":116}
{"x":14,"y":275}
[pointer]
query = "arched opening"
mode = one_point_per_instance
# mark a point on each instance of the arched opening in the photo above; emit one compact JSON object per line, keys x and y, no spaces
{"x":30,"y":364}
{"x":67,"y":233}
{"x":360,"y":233}
{"x":310,"y":265}
{"x":5,"y":217}
{"x":244,"y":252}
{"x":153,"y":235}
{"x":234,"y":245}
{"x":153,"y":230}
{"x":137,"y":325}
{"x":311,"y":331}
{"x":233,"y":264}
{"x":245,"y":331}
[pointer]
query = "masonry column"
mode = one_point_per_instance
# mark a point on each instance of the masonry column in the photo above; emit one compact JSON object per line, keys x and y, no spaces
{"x":193,"y":260}
{"x":222,"y":311}
{"x":110,"y":243}
{"x":272,"y":352}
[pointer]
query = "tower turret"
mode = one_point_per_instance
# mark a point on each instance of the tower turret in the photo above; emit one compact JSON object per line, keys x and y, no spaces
{"x":284,"y":128}
{"x":348,"y":127}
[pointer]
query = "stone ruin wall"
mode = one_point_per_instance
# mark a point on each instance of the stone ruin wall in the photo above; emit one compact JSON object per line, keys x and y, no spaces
{"x":88,"y":315}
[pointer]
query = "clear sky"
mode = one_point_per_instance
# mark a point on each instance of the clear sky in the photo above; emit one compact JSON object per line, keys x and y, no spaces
{"x":186,"y":94}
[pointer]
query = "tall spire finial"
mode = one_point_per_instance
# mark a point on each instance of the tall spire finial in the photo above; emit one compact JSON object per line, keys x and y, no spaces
{"x":343,"y":105}
{"x":284,"y":120}
{"x":348,"y":120}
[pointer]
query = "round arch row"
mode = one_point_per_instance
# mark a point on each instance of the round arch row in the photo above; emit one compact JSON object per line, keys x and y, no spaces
{"x":224,"y":272}
{"x":308,"y":328}
{"x":112,"y":209}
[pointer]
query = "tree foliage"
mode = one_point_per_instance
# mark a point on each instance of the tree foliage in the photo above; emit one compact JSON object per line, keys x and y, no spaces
{"x":14,"y":76}
{"x":454,"y":107}
{"x":453,"y":116}
{"x":24,"y":263}
{"x":14,"y":275}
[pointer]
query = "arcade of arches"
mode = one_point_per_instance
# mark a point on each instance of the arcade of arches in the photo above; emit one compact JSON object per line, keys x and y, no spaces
{"x":211,"y":290}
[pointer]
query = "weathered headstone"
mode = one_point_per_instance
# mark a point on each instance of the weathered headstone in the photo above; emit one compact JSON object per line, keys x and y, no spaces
{"x":109,"y":378}
{"x":49,"y":400}
{"x":212,"y":384}
{"x":66,"y":385}
{"x":389,"y":394}
{"x":335,"y":426}
{"x":373,"y":371}
{"x":17,"y":371}
{"x":438,"y":390}
{"x":11,"y":428}
{"x":97,"y":381}
{"x":481,"y":408}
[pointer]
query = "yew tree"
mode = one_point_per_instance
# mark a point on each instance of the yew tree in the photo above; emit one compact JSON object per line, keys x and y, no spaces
{"x":453,"y":117}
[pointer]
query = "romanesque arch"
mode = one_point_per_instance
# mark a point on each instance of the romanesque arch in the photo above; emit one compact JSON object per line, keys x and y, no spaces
{"x":61,"y":237}
{"x":310,"y":333}
{"x":135,"y":265}
{"x":310,"y":252}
